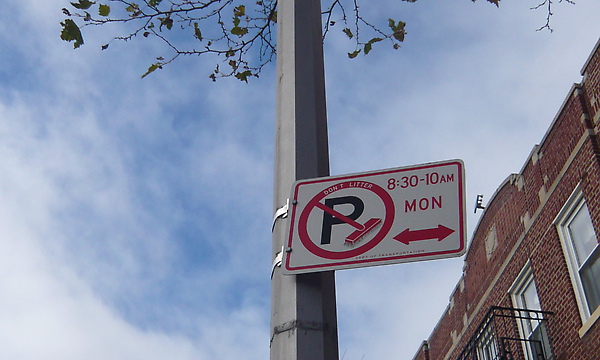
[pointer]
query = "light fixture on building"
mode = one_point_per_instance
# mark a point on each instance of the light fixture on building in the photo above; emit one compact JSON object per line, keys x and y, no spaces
{"x":479,"y":203}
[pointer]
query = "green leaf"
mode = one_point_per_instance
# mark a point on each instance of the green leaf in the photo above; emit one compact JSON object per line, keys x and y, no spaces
{"x":354,"y":54}
{"x":243,"y":76}
{"x":154,"y":2}
{"x":151,"y":69}
{"x":239,"y":11}
{"x":348,"y":33}
{"x":239,"y":31}
{"x":167,"y":22}
{"x":399,"y":35}
{"x":104,"y":10}
{"x":197,"y":32}
{"x":369,"y":44}
{"x":71,"y":32}
{"x":398,"y":29}
{"x":134,"y":9}
{"x":83,"y":4}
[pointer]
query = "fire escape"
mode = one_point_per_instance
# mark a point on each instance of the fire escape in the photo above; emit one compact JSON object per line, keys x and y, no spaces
{"x":510,"y":334}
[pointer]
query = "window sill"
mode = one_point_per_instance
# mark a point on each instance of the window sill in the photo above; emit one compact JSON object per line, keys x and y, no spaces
{"x":587,"y":325}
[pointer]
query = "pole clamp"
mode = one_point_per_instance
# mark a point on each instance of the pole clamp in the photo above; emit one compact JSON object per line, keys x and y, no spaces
{"x":280,"y":213}
{"x":277,"y":262}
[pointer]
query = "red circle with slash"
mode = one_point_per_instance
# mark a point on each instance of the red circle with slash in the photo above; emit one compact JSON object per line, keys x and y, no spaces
{"x":337,"y":255}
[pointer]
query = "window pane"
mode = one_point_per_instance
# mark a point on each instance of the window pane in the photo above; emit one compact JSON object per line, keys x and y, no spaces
{"x":540,"y":345}
{"x":582,"y":234}
{"x":486,"y":349}
{"x":537,"y":344}
{"x":530,"y":301}
{"x":530,"y":298}
{"x":590,"y":276}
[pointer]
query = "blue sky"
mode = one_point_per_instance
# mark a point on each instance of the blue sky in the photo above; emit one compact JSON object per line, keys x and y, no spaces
{"x":135,"y":214}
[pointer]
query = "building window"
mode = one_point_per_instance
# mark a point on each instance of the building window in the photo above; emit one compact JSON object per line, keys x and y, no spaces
{"x":486,"y":347}
{"x":496,"y":337}
{"x":531,"y":326}
{"x":580,"y":245}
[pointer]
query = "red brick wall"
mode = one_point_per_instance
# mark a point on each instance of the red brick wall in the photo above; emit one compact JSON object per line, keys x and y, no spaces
{"x":591,"y":73}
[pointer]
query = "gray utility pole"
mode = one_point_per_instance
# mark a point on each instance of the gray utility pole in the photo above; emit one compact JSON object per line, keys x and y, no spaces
{"x":303,"y":308}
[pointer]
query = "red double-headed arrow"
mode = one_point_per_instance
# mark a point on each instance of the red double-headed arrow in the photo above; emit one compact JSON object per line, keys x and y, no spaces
{"x":439,"y":233}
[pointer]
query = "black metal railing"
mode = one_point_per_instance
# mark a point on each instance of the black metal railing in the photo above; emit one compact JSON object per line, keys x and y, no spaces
{"x":510,"y":334}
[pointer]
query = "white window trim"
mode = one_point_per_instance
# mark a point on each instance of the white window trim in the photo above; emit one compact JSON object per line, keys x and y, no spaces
{"x":565,"y":215}
{"x":589,"y":322}
{"x":524,"y":278}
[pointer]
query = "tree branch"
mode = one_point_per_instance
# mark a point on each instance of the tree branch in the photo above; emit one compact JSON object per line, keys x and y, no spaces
{"x":241,"y":34}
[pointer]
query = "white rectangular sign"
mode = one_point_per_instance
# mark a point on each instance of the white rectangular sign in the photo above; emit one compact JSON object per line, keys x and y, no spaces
{"x":381,"y":217}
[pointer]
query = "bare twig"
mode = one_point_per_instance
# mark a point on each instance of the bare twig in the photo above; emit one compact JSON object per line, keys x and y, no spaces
{"x":241,"y":33}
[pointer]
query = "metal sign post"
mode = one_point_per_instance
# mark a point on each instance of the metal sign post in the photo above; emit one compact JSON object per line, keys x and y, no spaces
{"x":303,"y":307}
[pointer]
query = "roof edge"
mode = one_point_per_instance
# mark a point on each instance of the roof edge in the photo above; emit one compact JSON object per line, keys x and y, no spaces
{"x":589,"y":59}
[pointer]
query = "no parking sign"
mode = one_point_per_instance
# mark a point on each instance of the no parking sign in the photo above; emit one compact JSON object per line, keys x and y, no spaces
{"x":380,"y":217}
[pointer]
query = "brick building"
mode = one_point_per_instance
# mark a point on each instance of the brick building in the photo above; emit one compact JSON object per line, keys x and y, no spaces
{"x":530,"y":287}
